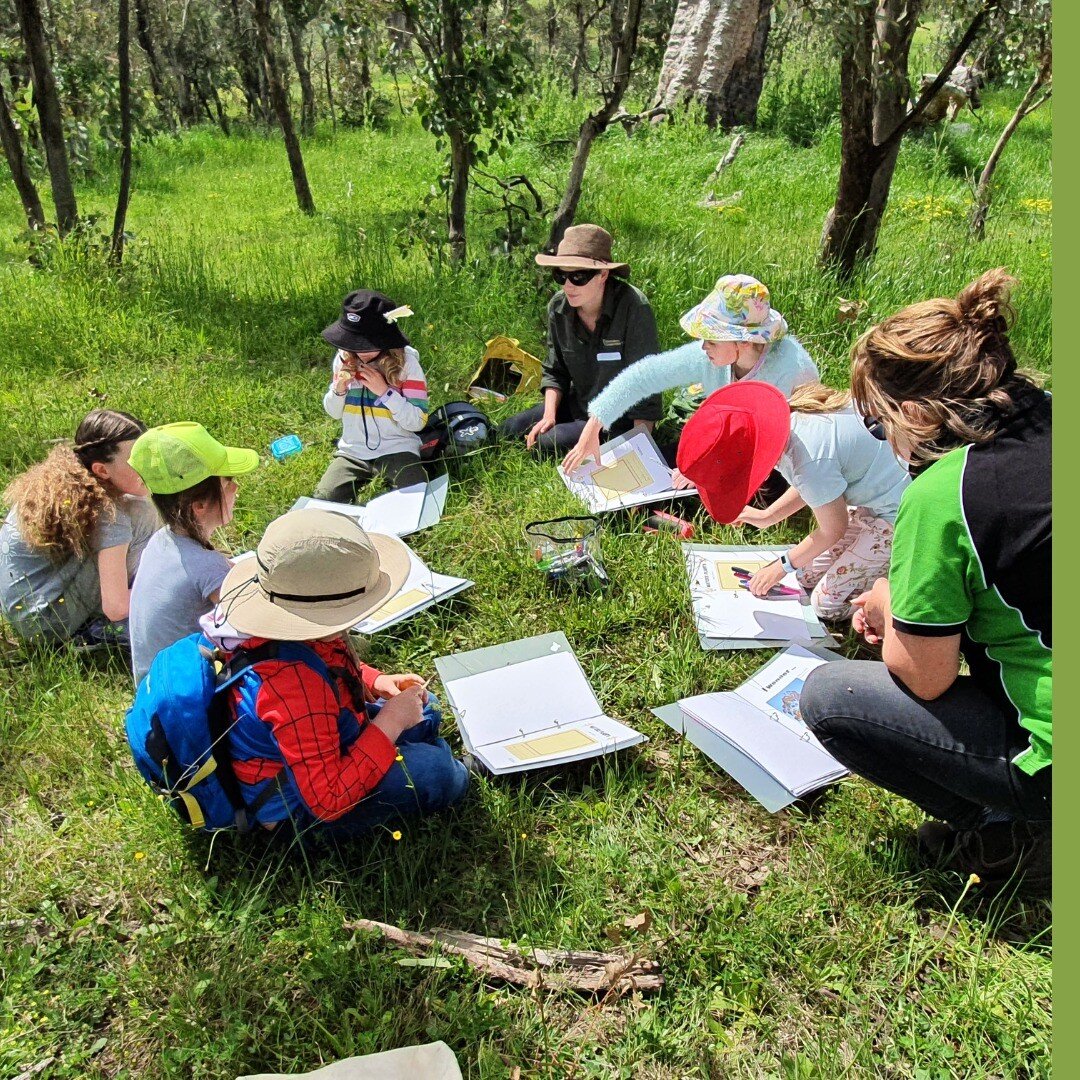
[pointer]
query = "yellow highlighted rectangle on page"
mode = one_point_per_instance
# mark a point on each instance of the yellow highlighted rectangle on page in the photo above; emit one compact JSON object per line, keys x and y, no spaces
{"x":400,"y":603}
{"x":725,"y":568}
{"x":560,"y":743}
{"x":623,"y":477}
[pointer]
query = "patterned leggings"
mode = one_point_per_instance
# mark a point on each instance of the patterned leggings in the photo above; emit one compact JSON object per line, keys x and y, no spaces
{"x":850,"y":566}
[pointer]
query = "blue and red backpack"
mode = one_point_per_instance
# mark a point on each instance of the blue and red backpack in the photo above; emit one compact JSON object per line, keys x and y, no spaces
{"x":178,"y":725}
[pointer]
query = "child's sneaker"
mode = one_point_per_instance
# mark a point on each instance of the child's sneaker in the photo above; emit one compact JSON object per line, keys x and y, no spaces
{"x":101,"y":633}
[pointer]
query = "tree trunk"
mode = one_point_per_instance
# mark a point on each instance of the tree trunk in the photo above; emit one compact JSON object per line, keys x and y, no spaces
{"x":144,"y":35}
{"x":580,"y":48}
{"x":552,"y":27}
{"x":47,"y":101}
{"x":731,"y":97}
{"x":716,"y":54}
{"x":329,"y":85}
{"x":247,"y":63}
{"x":1027,"y":105}
{"x":459,"y":190}
{"x":453,"y":48}
{"x":24,"y":182}
{"x":219,"y":109}
{"x":123,"y":55}
{"x":281,"y":107}
{"x":303,"y":72}
{"x":874,"y":116}
{"x":625,"y":21}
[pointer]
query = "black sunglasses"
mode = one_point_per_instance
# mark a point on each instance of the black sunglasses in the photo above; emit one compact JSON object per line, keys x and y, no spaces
{"x":875,"y":427}
{"x":575,"y":277}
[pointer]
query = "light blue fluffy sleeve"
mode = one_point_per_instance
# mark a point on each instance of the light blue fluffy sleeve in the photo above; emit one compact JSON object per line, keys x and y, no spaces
{"x":650,"y":375}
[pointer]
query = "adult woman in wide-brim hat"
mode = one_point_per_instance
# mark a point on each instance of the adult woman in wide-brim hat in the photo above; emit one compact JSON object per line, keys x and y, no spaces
{"x":321,"y":739}
{"x":598,"y":325}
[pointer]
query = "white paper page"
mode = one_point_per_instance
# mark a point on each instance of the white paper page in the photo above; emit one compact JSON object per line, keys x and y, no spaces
{"x":571,"y":742}
{"x":799,"y":764}
{"x":522,"y":699}
{"x":422,"y":588}
{"x":775,"y":689}
{"x":348,"y":509}
{"x":434,"y":502}
{"x":629,"y":473}
{"x":396,"y":513}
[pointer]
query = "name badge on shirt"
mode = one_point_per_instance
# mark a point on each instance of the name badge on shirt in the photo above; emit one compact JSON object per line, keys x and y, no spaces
{"x":608,"y":356}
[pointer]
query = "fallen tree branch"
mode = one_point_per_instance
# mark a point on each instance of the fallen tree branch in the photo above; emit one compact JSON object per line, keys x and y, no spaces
{"x":585,"y":971}
{"x":710,"y":199}
{"x":630,"y":121}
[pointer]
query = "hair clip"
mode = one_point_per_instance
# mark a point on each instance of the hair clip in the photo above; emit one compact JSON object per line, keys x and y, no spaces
{"x":402,"y":312}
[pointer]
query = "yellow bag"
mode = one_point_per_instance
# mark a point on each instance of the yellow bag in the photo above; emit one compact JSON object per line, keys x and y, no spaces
{"x":505,"y":369}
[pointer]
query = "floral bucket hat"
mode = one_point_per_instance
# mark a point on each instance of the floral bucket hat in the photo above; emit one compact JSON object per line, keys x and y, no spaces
{"x":737,"y":309}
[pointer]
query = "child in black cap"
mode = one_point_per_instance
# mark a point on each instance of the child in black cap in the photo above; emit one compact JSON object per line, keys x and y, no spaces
{"x":379,"y":393}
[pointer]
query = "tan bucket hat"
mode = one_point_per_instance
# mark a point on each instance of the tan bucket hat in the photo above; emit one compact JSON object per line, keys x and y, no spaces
{"x":315,"y":573}
{"x":584,"y":247}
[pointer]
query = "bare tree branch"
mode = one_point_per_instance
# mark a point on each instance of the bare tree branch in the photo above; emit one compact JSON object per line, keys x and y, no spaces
{"x":942,"y":77}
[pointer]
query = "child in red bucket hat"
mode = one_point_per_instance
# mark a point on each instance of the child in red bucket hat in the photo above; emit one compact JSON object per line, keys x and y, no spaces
{"x":850,"y":479}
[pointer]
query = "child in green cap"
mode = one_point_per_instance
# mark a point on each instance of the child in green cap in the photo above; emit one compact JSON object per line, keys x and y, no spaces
{"x":191,"y":478}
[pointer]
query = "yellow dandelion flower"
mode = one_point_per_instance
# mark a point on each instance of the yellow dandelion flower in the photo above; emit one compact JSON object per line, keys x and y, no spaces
{"x":140,"y":855}
{"x":974,"y":879}
{"x":524,"y":836}
{"x":396,"y":834}
{"x":399,"y":758}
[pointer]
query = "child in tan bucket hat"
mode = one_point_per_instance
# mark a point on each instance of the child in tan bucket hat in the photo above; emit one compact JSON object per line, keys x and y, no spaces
{"x":348,"y":747}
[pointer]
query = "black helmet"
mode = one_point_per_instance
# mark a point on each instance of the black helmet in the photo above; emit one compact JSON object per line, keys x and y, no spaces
{"x":458,"y":427}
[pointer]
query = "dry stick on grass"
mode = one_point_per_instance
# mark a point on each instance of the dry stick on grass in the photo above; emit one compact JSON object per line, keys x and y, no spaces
{"x":722,"y":164}
{"x":585,"y":971}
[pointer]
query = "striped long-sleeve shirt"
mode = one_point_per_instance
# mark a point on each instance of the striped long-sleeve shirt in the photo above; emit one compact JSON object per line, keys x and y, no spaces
{"x":372,"y":427}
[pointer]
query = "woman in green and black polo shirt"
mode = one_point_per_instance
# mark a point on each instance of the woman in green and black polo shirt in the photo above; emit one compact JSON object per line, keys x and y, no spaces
{"x":970,"y":575}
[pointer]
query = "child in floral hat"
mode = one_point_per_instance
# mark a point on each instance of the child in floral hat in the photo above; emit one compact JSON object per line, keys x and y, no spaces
{"x":739,"y":335}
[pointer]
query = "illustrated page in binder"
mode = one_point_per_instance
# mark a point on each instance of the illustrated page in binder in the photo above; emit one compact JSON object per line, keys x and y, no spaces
{"x":725,"y":610}
{"x":756,"y":732}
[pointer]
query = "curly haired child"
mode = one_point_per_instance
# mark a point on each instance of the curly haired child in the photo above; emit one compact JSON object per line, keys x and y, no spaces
{"x":74,"y":534}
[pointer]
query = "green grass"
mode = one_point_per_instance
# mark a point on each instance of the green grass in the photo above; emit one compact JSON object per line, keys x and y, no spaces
{"x":796,"y":945}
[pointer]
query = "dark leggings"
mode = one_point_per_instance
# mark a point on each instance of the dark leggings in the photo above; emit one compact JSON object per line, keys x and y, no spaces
{"x":562,"y":438}
{"x":952,"y":756}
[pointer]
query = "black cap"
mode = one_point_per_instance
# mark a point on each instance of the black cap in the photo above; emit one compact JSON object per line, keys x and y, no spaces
{"x":363,"y":326}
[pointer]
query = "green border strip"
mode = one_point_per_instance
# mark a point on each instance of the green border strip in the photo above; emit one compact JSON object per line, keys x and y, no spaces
{"x":1066,"y":280}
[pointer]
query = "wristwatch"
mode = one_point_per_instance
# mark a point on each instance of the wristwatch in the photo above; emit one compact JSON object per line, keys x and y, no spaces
{"x":785,"y":563}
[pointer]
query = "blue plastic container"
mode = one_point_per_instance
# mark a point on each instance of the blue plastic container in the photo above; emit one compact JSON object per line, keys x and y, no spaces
{"x":286,"y":446}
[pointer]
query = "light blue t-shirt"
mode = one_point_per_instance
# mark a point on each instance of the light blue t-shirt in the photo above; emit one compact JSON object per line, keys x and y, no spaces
{"x":172,"y":590}
{"x":832,"y":454}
